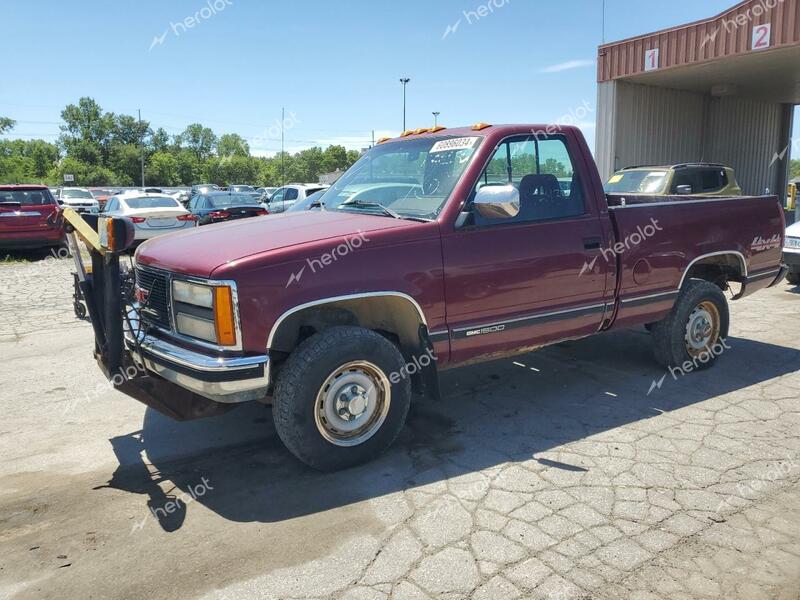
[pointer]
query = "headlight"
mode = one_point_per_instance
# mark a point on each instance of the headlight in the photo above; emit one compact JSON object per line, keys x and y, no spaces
{"x":193,"y":293}
{"x":205,"y":312}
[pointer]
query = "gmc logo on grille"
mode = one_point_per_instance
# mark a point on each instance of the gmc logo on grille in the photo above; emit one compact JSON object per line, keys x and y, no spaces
{"x":141,"y":295}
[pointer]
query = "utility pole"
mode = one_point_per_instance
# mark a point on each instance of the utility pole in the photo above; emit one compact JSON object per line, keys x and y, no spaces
{"x":404,"y":81}
{"x":436,"y":114}
{"x":141,"y":144}
{"x":283,"y":120}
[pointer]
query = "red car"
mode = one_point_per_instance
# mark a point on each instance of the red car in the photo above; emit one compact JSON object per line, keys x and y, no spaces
{"x":29,"y":217}
{"x":437,"y":249}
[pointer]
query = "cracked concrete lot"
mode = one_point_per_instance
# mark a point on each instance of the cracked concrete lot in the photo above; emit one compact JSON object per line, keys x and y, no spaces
{"x":552,"y":475}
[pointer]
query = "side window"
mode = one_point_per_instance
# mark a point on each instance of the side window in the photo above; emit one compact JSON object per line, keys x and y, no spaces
{"x":111,"y":206}
{"x":291,"y":194}
{"x":713,"y":179}
{"x":685,"y":177}
{"x":279,"y":195}
{"x":543,"y":172}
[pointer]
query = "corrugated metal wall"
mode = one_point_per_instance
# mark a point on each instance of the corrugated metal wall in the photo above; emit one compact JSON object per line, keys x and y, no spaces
{"x":746,"y":135}
{"x":644,"y":125}
{"x":727,"y":34}
{"x":647,"y":125}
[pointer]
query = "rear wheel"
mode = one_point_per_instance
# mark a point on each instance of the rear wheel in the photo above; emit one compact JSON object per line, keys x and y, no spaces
{"x":341,"y":398}
{"x":696,"y":328}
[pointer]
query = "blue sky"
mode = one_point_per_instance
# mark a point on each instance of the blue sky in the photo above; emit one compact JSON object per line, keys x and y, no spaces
{"x":334,"y":66}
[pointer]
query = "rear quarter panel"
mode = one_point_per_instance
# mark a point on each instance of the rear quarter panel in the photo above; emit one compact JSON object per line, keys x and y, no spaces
{"x":686,"y":229}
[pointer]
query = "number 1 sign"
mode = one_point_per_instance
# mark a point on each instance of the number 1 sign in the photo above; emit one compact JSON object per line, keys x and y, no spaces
{"x":651,"y":60}
{"x":761,"y":36}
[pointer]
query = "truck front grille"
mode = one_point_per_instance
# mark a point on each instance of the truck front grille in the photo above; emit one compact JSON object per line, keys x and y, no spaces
{"x":155,"y":303}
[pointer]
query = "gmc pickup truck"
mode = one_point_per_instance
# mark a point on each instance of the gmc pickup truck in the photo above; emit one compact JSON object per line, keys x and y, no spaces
{"x":437,"y":249}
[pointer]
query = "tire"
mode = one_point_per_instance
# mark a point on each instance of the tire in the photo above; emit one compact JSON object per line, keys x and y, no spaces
{"x":793,"y":276}
{"x":341,"y":366}
{"x":695,"y":329}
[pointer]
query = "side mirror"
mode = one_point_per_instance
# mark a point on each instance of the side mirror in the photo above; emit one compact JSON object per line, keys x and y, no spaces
{"x":116,"y":234}
{"x":684,"y":190}
{"x":497,"y":201}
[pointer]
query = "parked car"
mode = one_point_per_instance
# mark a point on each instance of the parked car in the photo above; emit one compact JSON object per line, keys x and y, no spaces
{"x":309,"y":203}
{"x":79,"y":199}
{"x":266,"y":192}
{"x":285,"y":196}
{"x":214,"y":207}
{"x":203,"y":188}
{"x":695,"y":179}
{"x":244,"y":189}
{"x":102,"y":195}
{"x":151,"y":214}
{"x":181,"y":196}
{"x":29,"y":217}
{"x":434,"y":250}
{"x":791,"y":253}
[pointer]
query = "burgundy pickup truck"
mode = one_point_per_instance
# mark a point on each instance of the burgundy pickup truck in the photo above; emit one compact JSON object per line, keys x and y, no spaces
{"x":439,"y":248}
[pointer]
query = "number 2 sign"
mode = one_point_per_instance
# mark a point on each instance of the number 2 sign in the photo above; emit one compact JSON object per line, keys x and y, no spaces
{"x":651,"y":60}
{"x":761,"y":36}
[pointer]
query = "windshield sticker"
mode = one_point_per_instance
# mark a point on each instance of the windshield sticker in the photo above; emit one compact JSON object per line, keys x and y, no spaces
{"x":453,"y":144}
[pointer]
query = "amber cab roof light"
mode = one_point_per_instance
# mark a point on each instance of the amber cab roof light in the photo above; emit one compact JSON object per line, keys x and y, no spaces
{"x":480,"y":126}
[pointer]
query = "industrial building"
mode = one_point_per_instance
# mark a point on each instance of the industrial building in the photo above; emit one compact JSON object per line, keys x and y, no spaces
{"x":720,"y":90}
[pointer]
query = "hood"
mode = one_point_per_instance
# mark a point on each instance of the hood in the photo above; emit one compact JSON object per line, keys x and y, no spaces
{"x":201,"y":250}
{"x":793,"y":230}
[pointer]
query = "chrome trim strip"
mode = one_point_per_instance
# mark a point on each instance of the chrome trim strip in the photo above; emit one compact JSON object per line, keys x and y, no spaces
{"x":735,"y":253}
{"x":28,"y":213}
{"x":300,"y":307}
{"x":763,"y":274}
{"x":531,"y":317}
{"x":639,"y":298}
{"x":195,"y":360}
{"x":675,"y":202}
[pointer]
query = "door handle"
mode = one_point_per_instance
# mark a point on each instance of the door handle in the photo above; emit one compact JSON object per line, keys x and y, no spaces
{"x":592,"y":243}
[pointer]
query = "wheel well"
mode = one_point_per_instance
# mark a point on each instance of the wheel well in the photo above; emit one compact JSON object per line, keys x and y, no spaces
{"x":719,"y":269}
{"x":396,"y":317}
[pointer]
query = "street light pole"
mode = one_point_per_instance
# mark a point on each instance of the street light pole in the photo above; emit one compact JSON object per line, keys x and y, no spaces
{"x":404,"y":81}
{"x":436,"y":114}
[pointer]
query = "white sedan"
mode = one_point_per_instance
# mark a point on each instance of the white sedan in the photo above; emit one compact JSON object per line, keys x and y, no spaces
{"x":152,"y":214}
{"x":791,"y":253}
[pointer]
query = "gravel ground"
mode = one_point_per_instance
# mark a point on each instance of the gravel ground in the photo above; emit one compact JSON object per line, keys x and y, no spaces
{"x":559,"y":474}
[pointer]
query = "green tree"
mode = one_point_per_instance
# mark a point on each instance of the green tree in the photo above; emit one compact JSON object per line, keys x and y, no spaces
{"x":159,"y":141}
{"x":126,"y":163}
{"x":85,"y":175}
{"x":189,"y":167}
{"x":87,"y":131}
{"x":200,"y":140}
{"x":232,"y":144}
{"x":794,"y":169}
{"x":334,"y":157}
{"x":6,"y":124}
{"x":162,"y":169}
{"x":129,"y":130}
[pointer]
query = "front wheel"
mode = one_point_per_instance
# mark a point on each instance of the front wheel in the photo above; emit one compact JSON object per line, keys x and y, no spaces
{"x":696,"y":328}
{"x":341,"y":398}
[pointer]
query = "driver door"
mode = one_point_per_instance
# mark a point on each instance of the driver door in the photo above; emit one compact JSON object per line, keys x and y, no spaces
{"x":520,"y":282}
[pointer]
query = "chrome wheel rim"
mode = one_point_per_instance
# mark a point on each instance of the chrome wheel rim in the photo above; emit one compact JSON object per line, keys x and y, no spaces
{"x":352,"y":403}
{"x":702,"y":328}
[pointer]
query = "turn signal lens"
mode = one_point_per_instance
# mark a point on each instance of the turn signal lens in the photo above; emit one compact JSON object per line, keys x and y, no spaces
{"x":223,"y":316}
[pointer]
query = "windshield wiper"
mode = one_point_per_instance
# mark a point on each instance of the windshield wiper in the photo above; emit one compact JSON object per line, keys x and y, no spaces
{"x":365,"y":204}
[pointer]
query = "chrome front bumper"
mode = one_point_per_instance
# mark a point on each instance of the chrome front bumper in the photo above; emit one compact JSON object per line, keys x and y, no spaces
{"x":222,"y":379}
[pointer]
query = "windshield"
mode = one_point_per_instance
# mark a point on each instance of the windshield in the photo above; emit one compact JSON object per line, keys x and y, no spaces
{"x":243,"y":188}
{"x":637,"y":182}
{"x":78,"y":194}
{"x":233,"y":200}
{"x":413,"y":178}
{"x":151,"y":203}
